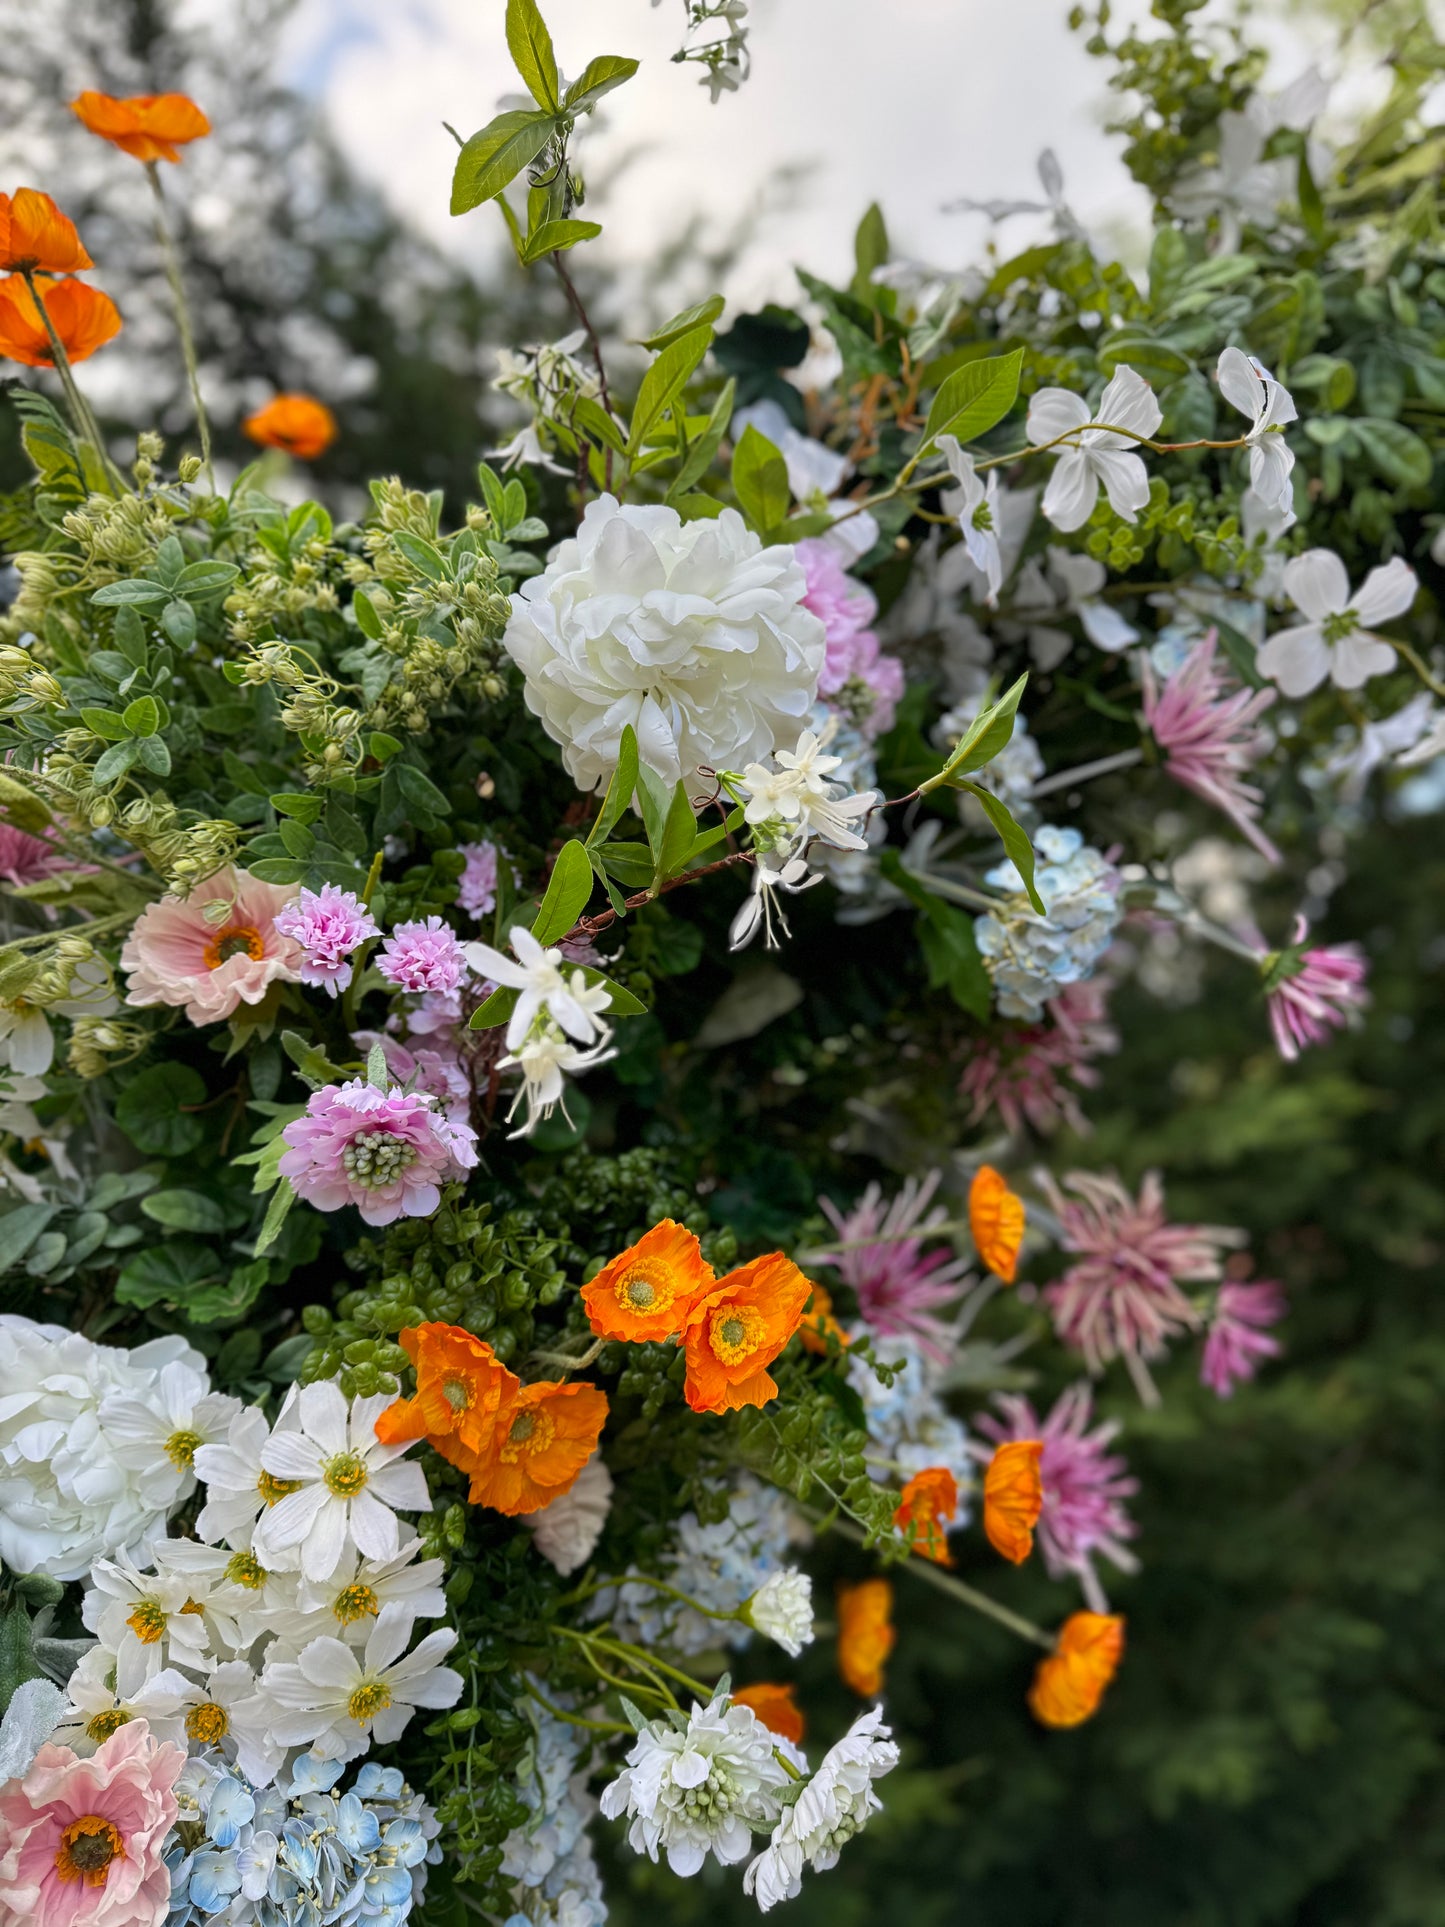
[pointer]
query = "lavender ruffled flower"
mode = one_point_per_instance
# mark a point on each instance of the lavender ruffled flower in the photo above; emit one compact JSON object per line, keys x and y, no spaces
{"x":329,"y":924}
{"x":386,"y":1152}
{"x":423,"y":956}
{"x":477,"y":885}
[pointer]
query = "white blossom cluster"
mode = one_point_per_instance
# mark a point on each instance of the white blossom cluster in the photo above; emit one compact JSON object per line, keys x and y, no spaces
{"x":908,"y":1422}
{"x":549,"y":1857}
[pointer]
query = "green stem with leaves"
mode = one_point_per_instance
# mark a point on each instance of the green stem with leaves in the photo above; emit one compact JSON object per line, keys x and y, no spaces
{"x":81,"y":413}
{"x":183,"y":316}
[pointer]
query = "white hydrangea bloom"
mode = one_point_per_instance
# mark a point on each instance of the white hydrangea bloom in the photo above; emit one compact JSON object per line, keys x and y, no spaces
{"x":692,"y":632}
{"x":782,"y":1609}
{"x":835,"y":1804}
{"x":1095,"y":455}
{"x":699,"y":1787}
{"x":549,"y":1857}
{"x":566,"y":1531}
{"x":908,"y":1422}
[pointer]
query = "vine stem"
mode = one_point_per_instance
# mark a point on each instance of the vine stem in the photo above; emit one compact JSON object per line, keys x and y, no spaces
{"x":1083,"y":772}
{"x":933,"y":1575}
{"x":575,"y":1719}
{"x":183,"y":316}
{"x":580,"y":310}
{"x":1417,"y":663}
{"x":81,"y":412}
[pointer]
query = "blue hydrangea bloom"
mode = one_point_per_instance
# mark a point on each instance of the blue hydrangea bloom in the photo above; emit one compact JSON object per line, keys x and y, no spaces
{"x":1032,"y":958}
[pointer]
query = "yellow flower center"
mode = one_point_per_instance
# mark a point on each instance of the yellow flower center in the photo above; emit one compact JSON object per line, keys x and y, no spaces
{"x":104,"y":1724}
{"x":236,"y":940}
{"x":646,"y":1287}
{"x":180,"y":1449}
{"x":529,"y":1432}
{"x":245,"y":1569}
{"x":148,"y":1621}
{"x":736,"y":1332}
{"x":207,"y":1723}
{"x":344,"y":1474}
{"x":457,"y":1393}
{"x":87,"y":1847}
{"x":369,"y":1699}
{"x":271,"y":1488}
{"x":191,"y":1607}
{"x":355,"y":1602}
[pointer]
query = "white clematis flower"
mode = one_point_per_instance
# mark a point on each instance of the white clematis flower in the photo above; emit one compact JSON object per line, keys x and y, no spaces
{"x":1335,"y":640}
{"x":1248,"y":386}
{"x":126,"y":1607}
{"x":782,"y":1610}
{"x":1096,"y":455}
{"x":546,"y":990}
{"x":974,"y":504}
{"x":835,"y":1804}
{"x":758,"y":908}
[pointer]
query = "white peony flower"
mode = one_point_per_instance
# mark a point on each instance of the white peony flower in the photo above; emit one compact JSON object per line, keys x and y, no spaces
{"x":699,"y":1790}
{"x":782,"y":1610}
{"x":566,"y":1531}
{"x":974,"y":504}
{"x":1096,"y":454}
{"x":692,"y":632}
{"x":158,"y":1436}
{"x":545,"y":988}
{"x":1248,"y":385}
{"x":1335,"y":640}
{"x":344,"y":1483}
{"x":835,"y":1804}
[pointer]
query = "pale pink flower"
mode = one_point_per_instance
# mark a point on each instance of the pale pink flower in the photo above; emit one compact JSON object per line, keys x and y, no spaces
{"x":1239,"y":1338}
{"x":423,"y":956}
{"x":1312,"y":992}
{"x":1084,"y":1485}
{"x":212,"y":950}
{"x":386,"y":1152}
{"x":328,"y":924}
{"x":439,"y":1012}
{"x":81,"y":1840}
{"x":437,"y":1071}
{"x":1030,"y":1074}
{"x":477,"y":885}
{"x":880,"y":1254}
{"x":29,"y":859}
{"x":1123,"y":1297}
{"x":1206,"y":725}
{"x":846,"y":608}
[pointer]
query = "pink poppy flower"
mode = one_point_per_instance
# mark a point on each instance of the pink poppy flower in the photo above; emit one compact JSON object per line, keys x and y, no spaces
{"x":212,"y":950}
{"x":386,"y":1152}
{"x":81,"y":1840}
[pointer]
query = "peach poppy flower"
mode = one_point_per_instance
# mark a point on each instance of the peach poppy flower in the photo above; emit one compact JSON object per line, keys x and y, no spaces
{"x":1013,"y":1498}
{"x":1070,"y":1683}
{"x":996,"y":1219}
{"x":460,"y":1385}
{"x":83,"y":317}
{"x":149,"y":127}
{"x":300,"y":424}
{"x":865,"y":1634}
{"x":929,"y":1498}
{"x":776,"y":1708}
{"x":35,"y":235}
{"x":178,"y":954}
{"x":649,"y":1291}
{"x":543,"y":1436}
{"x":738,"y":1329}
{"x":819,"y":1324}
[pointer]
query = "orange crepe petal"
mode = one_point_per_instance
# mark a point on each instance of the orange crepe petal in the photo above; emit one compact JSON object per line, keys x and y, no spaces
{"x":300,"y":424}
{"x":738,"y":1329}
{"x":1013,"y":1497}
{"x":996,"y":1219}
{"x":544,"y":1435}
{"x":929,"y":1498}
{"x":34,"y":234}
{"x":819,"y":1324}
{"x":149,"y":127}
{"x":460,"y":1387}
{"x":1069,"y":1684}
{"x":776,"y":1708}
{"x":649,"y":1291}
{"x":84,"y":318}
{"x":865,"y":1634}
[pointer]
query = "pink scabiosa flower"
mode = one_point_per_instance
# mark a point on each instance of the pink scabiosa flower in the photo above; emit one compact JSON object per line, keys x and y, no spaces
{"x":1312,"y":992}
{"x":1031,"y":1074}
{"x":212,"y":950}
{"x":880,"y":1254}
{"x":81,"y":1840}
{"x":423,"y":956}
{"x":846,"y":608}
{"x":1239,"y":1339}
{"x":387,"y":1152}
{"x":1206,"y":726}
{"x":477,"y":884}
{"x":1085,"y":1486}
{"x":328,"y":924}
{"x":1123,"y":1297}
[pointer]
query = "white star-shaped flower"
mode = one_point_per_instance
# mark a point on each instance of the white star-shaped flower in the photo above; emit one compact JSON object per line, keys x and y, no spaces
{"x":1095,"y":455}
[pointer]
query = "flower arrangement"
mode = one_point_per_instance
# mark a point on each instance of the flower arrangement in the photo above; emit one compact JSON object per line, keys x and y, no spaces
{"x":417,"y":1401}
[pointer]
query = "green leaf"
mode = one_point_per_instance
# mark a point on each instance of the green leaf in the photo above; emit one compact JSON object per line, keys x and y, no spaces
{"x":496,"y":154}
{"x":619,"y":790}
{"x":154,"y":1110}
{"x":185,"y":1211}
{"x":950,"y":948}
{"x":496,"y":1009}
{"x":986,"y":737}
{"x":555,"y":237}
{"x":106,"y":723}
{"x":679,"y":833}
{"x":655,"y":799}
{"x":134,"y":595}
{"x":631,"y":863}
{"x":143,"y":716}
{"x":974,"y":398}
{"x":623,"y":1004}
{"x":419,"y":791}
{"x":594,"y":421}
{"x":568,"y":889}
{"x":152,"y":754}
{"x":367,"y":620}
{"x":1241,"y":653}
{"x":178,"y":619}
{"x":700,"y":455}
{"x":1015,"y":842}
{"x":760,"y":480}
{"x":282,"y":1199}
{"x":168,"y":1273}
{"x":304,"y":805}
{"x":870,"y":251}
{"x":198,"y":580}
{"x":423,"y":556}
{"x":382,"y":746}
{"x":19,"y":1230}
{"x":701,"y":315}
{"x":664,"y":380}
{"x":597,"y":78}
{"x":530,"y":45}
{"x":1394,"y":451}
{"x":115,"y":762}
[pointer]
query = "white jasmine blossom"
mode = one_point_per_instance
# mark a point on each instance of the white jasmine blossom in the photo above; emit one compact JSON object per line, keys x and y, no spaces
{"x":1095,"y":455}
{"x":1400,"y":738}
{"x":546,"y":1060}
{"x":835,"y":1805}
{"x":974,"y":504}
{"x":782,"y":1610}
{"x":798,"y":795}
{"x":1248,"y":386}
{"x":758,"y":908}
{"x":544,"y":987}
{"x":1336,"y":641}
{"x":566,"y":1531}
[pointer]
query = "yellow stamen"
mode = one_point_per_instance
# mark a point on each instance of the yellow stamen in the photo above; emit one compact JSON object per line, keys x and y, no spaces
{"x":87,"y":1847}
{"x":369,"y":1699}
{"x":180,"y":1449}
{"x":736,"y":1332}
{"x":245,"y":1569}
{"x":207,"y":1723}
{"x":148,"y":1621}
{"x":355,"y":1602}
{"x":345,"y":1474}
{"x":271,"y":1488}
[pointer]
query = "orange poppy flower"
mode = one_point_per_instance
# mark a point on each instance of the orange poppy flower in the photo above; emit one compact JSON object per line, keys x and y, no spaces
{"x":930,"y":1497}
{"x":300,"y":424}
{"x":996,"y":1219}
{"x":1013,"y":1498}
{"x":738,"y":1329}
{"x":819,"y":1324}
{"x":460,"y":1385}
{"x":34,"y":234}
{"x":776,"y":1708}
{"x":649,"y":1290}
{"x":1070,"y":1683}
{"x":543,"y":1436}
{"x":865,"y":1634}
{"x":84,"y":318}
{"x":150,"y":127}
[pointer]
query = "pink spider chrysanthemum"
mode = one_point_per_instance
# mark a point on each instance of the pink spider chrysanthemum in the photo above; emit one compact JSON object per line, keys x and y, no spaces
{"x":1312,"y":992}
{"x":880,"y":1254}
{"x":423,"y":956}
{"x":1239,"y":1340}
{"x":329,"y":924}
{"x":1123,"y":1298}
{"x":29,"y":859}
{"x":1030,"y":1075}
{"x":1206,"y":726}
{"x":386,"y":1152}
{"x":477,"y":884}
{"x":1084,"y":1486}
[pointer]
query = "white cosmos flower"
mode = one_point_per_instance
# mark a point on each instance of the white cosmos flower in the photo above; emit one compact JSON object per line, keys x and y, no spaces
{"x":107,"y":1690}
{"x":758,"y":908}
{"x":566,"y":1531}
{"x":1335,"y":640}
{"x":346,"y":1484}
{"x":226,"y":1711}
{"x":359,"y":1591}
{"x":158,"y":1436}
{"x":974,"y":504}
{"x":238,"y":1486}
{"x":834,"y":1805}
{"x":233,"y":1592}
{"x":692,"y":632}
{"x":1249,"y":386}
{"x":1096,"y":454}
{"x":782,"y":1609}
{"x":545,"y":988}
{"x":699,"y":1790}
{"x":546,"y":1060}
{"x":339,"y":1701}
{"x":126,"y":1607}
